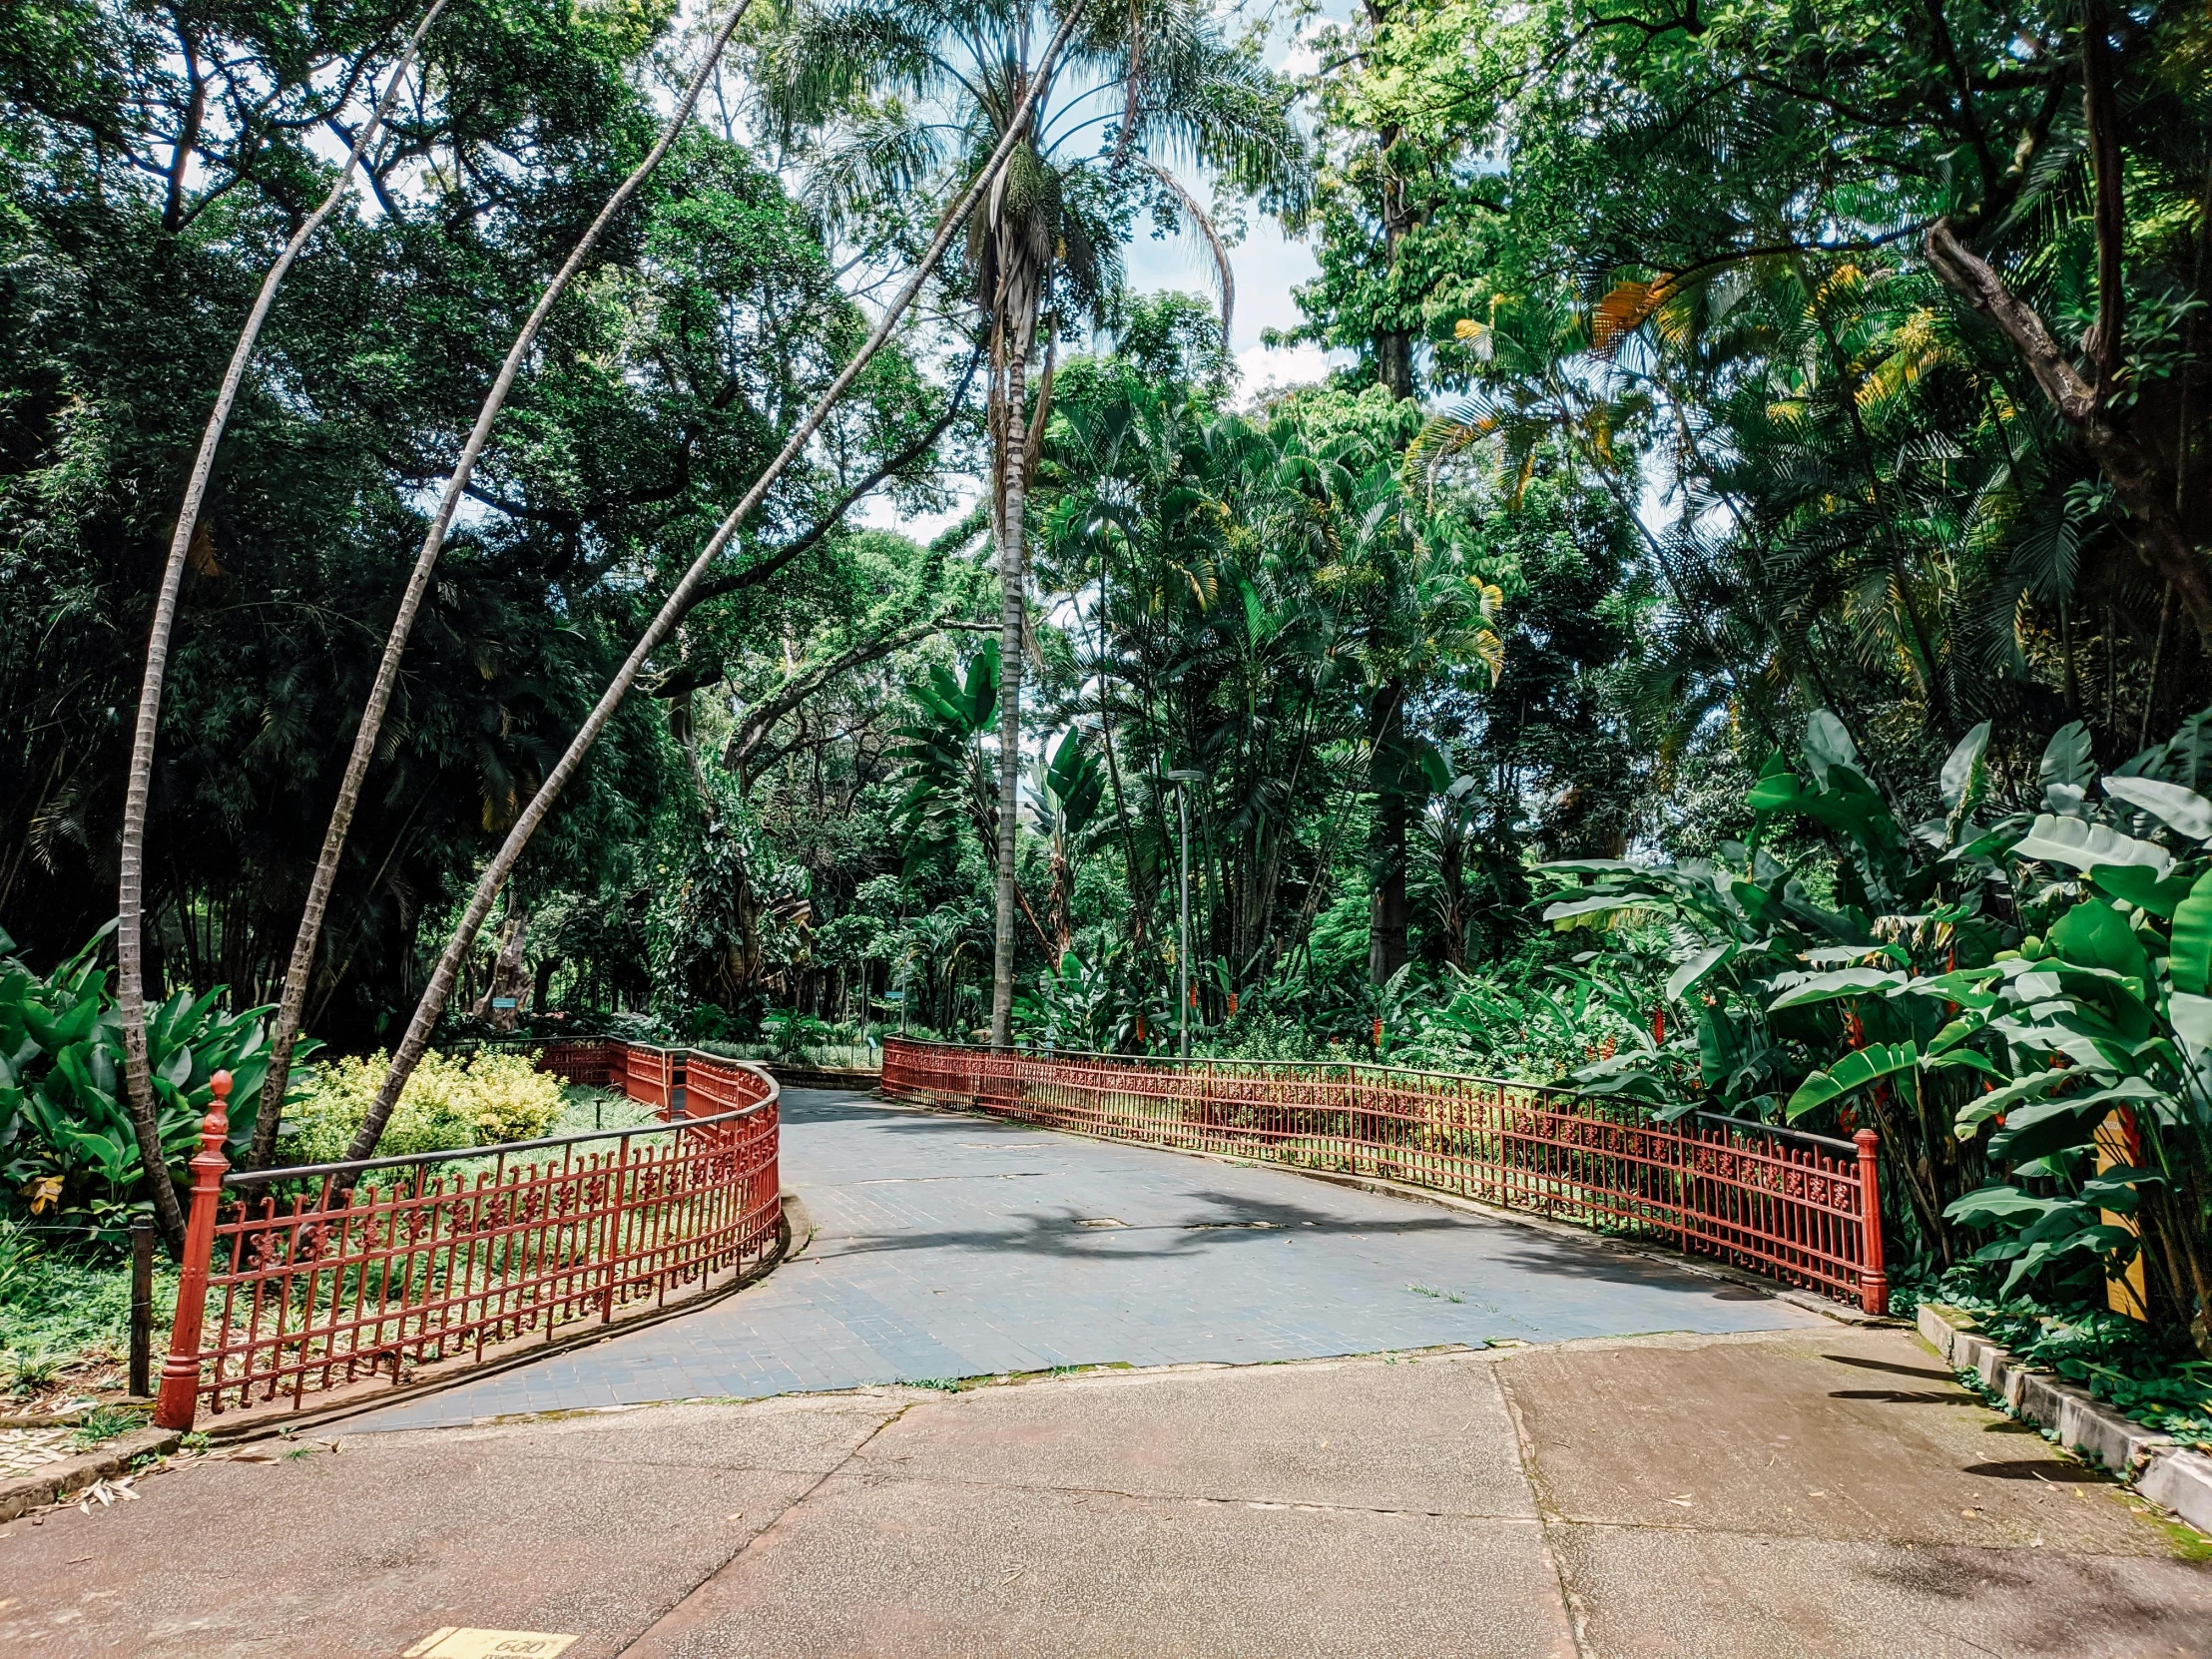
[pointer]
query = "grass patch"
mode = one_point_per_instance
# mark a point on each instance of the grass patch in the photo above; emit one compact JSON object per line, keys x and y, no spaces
{"x":105,"y":1423}
{"x":64,"y":1326}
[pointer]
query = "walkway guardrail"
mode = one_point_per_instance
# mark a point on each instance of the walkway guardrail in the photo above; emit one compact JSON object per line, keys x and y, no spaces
{"x":301,"y":1281}
{"x":1803,"y":1208}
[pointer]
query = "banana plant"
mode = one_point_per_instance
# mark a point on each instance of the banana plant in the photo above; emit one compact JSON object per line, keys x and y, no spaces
{"x":950,"y":787}
{"x":2020,"y":1001}
{"x":1075,"y":1007}
{"x":1067,"y":789}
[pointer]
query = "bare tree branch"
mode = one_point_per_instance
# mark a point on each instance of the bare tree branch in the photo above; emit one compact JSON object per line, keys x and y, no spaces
{"x":754,"y":574}
{"x":2137,"y":478}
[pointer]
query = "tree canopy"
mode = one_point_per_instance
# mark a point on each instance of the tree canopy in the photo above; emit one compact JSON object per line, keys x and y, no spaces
{"x":1762,"y":477}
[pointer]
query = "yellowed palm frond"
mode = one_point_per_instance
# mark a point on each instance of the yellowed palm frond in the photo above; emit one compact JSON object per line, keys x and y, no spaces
{"x":1489,"y":651}
{"x":1915,"y":347}
{"x":1624,"y":310}
{"x":1844,"y":283}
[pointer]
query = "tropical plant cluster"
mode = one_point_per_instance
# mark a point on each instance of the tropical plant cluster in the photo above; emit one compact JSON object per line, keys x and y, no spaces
{"x":74,"y":1174}
{"x":2013,"y":996}
{"x":1725,"y":629}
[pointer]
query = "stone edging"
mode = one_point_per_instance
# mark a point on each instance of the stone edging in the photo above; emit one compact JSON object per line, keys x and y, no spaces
{"x":2164,"y":1472}
{"x":796,"y":1076}
{"x":56,"y":1481}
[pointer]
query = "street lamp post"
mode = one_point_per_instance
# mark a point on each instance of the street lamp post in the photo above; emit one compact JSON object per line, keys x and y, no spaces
{"x":1183,"y":907}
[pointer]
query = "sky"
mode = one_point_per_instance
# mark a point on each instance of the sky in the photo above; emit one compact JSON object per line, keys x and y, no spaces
{"x":1267,"y":266}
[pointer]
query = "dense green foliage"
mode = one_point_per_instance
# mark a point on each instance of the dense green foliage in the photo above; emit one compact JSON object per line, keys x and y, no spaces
{"x":138,"y":209}
{"x":72,"y":1159}
{"x":1707,"y":638}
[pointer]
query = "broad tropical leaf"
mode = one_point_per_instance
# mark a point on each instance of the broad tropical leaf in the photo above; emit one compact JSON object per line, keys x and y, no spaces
{"x":1854,"y":1072}
{"x":2085,"y":845}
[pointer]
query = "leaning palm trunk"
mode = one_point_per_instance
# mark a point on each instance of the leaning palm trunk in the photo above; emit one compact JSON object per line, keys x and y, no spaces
{"x":440,"y":987}
{"x":286,"y":1031}
{"x":130,"y":894}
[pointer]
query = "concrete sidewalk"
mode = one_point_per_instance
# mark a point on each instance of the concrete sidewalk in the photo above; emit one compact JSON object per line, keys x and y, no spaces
{"x":1814,"y":1491}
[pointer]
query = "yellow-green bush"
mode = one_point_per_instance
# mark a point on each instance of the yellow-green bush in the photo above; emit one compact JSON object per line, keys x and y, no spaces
{"x":448,"y":1103}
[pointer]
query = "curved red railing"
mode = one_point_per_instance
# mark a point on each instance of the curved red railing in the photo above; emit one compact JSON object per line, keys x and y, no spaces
{"x":373,"y":1269}
{"x":1804,"y":1209}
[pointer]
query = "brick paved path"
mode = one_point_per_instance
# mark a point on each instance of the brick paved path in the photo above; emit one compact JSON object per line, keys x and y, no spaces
{"x":954,"y":1246}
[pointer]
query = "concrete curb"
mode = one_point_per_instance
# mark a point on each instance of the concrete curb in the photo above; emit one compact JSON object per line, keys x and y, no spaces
{"x":821,"y":1077}
{"x":2164,"y":1472}
{"x":25,"y":1493}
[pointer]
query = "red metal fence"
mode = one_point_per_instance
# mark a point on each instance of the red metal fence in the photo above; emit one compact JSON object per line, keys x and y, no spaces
{"x":1800,"y":1208}
{"x":301,"y":1281}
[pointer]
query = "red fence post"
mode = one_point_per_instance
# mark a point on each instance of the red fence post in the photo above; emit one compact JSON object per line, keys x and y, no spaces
{"x":1873,"y":1284}
{"x":179,"y":1396}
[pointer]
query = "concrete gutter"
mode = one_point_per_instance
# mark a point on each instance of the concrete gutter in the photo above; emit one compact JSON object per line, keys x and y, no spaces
{"x":22,"y":1493}
{"x":2163,"y":1472}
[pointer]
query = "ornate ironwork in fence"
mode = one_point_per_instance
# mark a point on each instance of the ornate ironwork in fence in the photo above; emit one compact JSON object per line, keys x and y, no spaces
{"x":1800,"y":1208}
{"x":299,"y":1281}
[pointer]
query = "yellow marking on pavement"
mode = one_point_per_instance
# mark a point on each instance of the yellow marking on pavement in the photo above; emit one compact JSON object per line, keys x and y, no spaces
{"x":453,"y":1641}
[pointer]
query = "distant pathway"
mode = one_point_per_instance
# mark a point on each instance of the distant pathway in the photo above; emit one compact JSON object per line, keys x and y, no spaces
{"x":954,"y":1246}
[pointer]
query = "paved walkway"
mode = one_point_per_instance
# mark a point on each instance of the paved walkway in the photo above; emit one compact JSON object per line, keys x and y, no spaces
{"x":1810,"y":1491}
{"x":955,"y":1246}
{"x":1758,"y":1482}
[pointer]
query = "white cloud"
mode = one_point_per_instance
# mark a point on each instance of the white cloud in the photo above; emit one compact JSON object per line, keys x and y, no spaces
{"x":880,"y":512}
{"x":1299,"y":56}
{"x":1265,"y":369}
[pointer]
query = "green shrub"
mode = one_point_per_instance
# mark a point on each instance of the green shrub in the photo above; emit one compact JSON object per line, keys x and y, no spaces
{"x":449,"y":1103}
{"x":69,"y":1152}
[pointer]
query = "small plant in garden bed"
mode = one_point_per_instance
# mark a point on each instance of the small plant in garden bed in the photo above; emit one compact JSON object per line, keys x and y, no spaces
{"x":448,"y":1103}
{"x":65,"y":1326}
{"x":105,"y":1423}
{"x":2116,"y":1358}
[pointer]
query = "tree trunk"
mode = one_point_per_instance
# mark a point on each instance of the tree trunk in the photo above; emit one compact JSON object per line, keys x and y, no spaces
{"x":2146,"y":487}
{"x":130,"y":894}
{"x":1014,"y":608}
{"x":1386,"y":907}
{"x":285,"y":1033}
{"x":540,"y":804}
{"x":1020,"y":288}
{"x":508,"y":976}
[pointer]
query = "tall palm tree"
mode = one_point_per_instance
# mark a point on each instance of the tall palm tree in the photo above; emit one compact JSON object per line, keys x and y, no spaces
{"x":895,"y":91}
